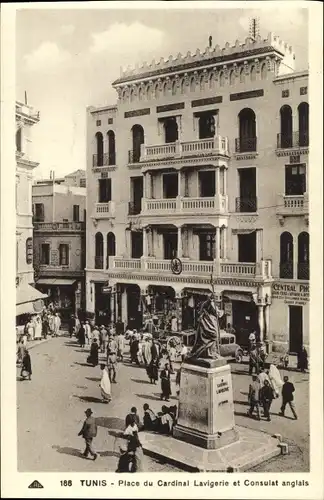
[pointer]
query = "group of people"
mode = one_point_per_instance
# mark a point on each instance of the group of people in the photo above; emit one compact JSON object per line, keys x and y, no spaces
{"x":265,"y":387}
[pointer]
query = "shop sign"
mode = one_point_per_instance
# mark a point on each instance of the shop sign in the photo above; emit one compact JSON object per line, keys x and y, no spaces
{"x":29,"y":251}
{"x":228,"y":308}
{"x":176,"y":266}
{"x":291,"y":293}
{"x":106,"y":289}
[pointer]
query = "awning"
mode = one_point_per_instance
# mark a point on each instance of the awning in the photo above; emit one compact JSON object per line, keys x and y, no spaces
{"x":30,"y":307}
{"x":242,"y":297}
{"x":26,"y":293}
{"x":55,"y":281}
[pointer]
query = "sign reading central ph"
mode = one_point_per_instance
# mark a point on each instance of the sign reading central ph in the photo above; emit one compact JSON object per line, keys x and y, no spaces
{"x":176,"y":266}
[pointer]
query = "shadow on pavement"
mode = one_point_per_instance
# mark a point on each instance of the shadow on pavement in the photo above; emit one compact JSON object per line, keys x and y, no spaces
{"x":237,"y":402}
{"x":240,"y":414}
{"x":93,"y":379}
{"x":67,"y":450}
{"x":239,"y":372}
{"x":140,"y":381}
{"x":88,"y":399}
{"x":154,"y":397}
{"x":108,"y":454}
{"x":81,"y":387}
{"x":71,"y":344}
{"x":111,"y":423}
{"x":83,"y":364}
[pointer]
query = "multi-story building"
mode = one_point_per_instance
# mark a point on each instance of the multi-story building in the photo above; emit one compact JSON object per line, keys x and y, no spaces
{"x":204,"y":159}
{"x":59,"y":243}
{"x":27,"y":298}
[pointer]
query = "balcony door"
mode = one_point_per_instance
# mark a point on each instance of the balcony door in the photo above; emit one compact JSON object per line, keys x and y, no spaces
{"x":247,"y":247}
{"x":295,"y":328}
{"x":170,"y":243}
{"x":247,"y":201}
{"x":207,"y":246}
{"x":104,"y":190}
{"x":137,"y":194}
{"x":137,"y":244}
{"x":207,"y":183}
{"x":170,"y":185}
{"x":295,"y":180}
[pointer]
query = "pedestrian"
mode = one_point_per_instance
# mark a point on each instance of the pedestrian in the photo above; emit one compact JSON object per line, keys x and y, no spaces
{"x":174,"y":324}
{"x":263,"y":376}
{"x":89,"y":432}
{"x":183,"y":352}
{"x":21,"y":349}
{"x":95,"y":334}
{"x":132,"y":416}
{"x":105,"y":384}
{"x":254,"y":396}
{"x":166,"y":383}
{"x":166,"y":421}
{"x":104,"y":338}
{"x":26,"y":369}
{"x":134,"y":346}
{"x":287,"y":393}
{"x":71,"y":325}
{"x":51,"y":323}
{"x":57,"y":324}
{"x":153,"y":371}
{"x":88,"y":335}
{"x":131,"y":428}
{"x":302,"y":360}
{"x":82,"y":335}
{"x":155,"y":349}
{"x":136,"y":450}
{"x":112,"y":358}
{"x":266,"y":398}
{"x":146,"y":350}
{"x":120,"y":346}
{"x":45,"y":326}
{"x":150,"y":420}
{"x":29,"y":328}
{"x":254,"y":361}
{"x":124,"y":459}
{"x":252,"y":341}
{"x":93,"y":359}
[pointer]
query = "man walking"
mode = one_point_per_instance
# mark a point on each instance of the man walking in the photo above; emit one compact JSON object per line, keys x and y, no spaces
{"x":87,"y":329}
{"x":88,"y":432}
{"x":266,"y":397}
{"x":112,"y":358}
{"x":254,"y":396}
{"x":287,"y":392}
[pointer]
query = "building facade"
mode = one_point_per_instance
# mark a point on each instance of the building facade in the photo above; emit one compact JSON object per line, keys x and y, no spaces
{"x":59,"y":243}
{"x":198,"y":177}
{"x":28,"y":300}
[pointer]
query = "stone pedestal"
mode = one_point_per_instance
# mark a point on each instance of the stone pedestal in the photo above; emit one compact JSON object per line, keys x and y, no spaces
{"x":206,"y":408}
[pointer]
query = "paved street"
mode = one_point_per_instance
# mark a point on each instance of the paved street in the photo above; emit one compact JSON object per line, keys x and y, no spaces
{"x":51,"y":411}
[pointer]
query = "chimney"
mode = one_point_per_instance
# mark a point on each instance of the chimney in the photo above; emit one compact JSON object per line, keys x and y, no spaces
{"x":210,"y":41}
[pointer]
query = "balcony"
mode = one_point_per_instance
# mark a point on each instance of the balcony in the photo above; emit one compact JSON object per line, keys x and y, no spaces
{"x":133,"y":157}
{"x":246,"y":205}
{"x":295,"y":140}
{"x":104,"y":210}
{"x":59,"y":227}
{"x":134,"y":208}
{"x":290,"y":205}
{"x":246,"y":145}
{"x":185,"y":206}
{"x":303,"y":271}
{"x":260,"y":270}
{"x":104,"y":160}
{"x":204,"y":147}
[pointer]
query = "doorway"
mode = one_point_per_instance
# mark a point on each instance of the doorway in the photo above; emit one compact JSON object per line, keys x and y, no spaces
{"x":207,"y":183}
{"x":137,"y":194}
{"x":247,"y":202}
{"x":247,"y":247}
{"x":170,"y":241}
{"x":295,"y":329}
{"x":170,"y":185}
{"x":245,"y":320}
{"x":134,"y":309}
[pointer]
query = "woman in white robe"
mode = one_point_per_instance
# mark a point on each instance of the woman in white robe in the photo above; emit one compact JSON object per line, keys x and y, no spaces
{"x":105,"y":385}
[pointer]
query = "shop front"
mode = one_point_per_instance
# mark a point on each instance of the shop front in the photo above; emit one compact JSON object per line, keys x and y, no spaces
{"x":64,"y":293}
{"x":104,"y":303}
{"x":29,"y":302}
{"x":191,"y":305}
{"x":241,"y":312}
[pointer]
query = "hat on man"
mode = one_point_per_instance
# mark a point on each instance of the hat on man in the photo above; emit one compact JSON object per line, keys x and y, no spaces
{"x":88,"y":412}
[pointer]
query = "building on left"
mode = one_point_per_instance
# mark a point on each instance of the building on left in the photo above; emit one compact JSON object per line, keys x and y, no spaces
{"x":28,"y":299}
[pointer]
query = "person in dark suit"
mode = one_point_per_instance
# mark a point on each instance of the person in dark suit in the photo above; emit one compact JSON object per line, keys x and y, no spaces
{"x":166,"y":383}
{"x":132,"y":416}
{"x":88,"y":432}
{"x":287,"y":392}
{"x":93,"y":359}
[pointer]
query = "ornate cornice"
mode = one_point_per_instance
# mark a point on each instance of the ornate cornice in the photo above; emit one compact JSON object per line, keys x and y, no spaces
{"x":192,"y":160}
{"x":99,"y":170}
{"x":292,"y":151}
{"x":245,"y":156}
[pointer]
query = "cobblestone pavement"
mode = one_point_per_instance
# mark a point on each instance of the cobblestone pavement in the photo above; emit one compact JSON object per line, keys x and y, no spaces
{"x":51,"y":411}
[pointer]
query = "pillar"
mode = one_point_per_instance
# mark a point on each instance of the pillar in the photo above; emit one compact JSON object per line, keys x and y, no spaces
{"x":224,"y":242}
{"x":112,"y":305}
{"x":145,"y":184}
{"x":179,"y":250}
{"x":217,"y":181}
{"x":267,"y":323}
{"x":179,"y":310}
{"x":217,"y":243}
{"x":180,"y":187}
{"x":145,"y":242}
{"x":258,"y":245}
{"x":295,"y":256}
{"x":149,"y":185}
{"x":105,"y":262}
{"x":261,"y":322}
{"x":224,"y":181}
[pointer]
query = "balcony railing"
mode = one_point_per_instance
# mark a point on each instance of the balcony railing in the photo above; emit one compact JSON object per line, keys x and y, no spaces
{"x":134,"y":208}
{"x":104,"y":160}
{"x":99,"y":262}
{"x":303,"y":271}
{"x":292,"y":204}
{"x":286,"y":270}
{"x":195,"y":268}
{"x":201,"y":147}
{"x":246,"y":204}
{"x":134,"y":156}
{"x":38,"y":218}
{"x":294,"y":140}
{"x":184,"y":205}
{"x":59,"y":226}
{"x":245,"y":144}
{"x":104,"y":210}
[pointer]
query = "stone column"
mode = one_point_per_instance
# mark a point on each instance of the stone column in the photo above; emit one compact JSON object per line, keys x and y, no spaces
{"x":145,"y":178}
{"x":112,"y":305}
{"x":149,"y":185}
{"x":179,"y":250}
{"x":267,"y":323}
{"x":145,"y":242}
{"x":180,"y":187}
{"x":105,"y":262}
{"x":217,"y":243}
{"x":179,"y":310}
{"x":225,"y":181}
{"x":261,"y":321}
{"x":295,"y":257}
{"x":224,"y":242}
{"x":217,"y":181}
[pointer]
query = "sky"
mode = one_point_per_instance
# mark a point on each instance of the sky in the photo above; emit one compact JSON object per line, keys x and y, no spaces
{"x":67,"y":59}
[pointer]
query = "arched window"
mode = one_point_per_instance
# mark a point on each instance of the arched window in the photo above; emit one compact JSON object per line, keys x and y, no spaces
{"x":99,"y":157}
{"x":148,"y":92}
{"x":221,"y":79}
{"x":183,"y":86}
{"x":264,"y":71}
{"x":242,"y":75}
{"x":202,"y":82}
{"x":253,"y":74}
{"x":286,"y":256}
{"x":286,"y":132}
{"x":212,"y":80}
{"x":174,"y":88}
{"x":192,"y":84}
{"x":99,"y":251}
{"x":18,"y":140}
{"x":303,"y":116}
{"x":232,"y":78}
{"x":303,"y":256}
{"x":132,"y":95}
{"x":247,"y":130}
{"x":156,"y":91}
{"x":124,"y":95}
{"x":140,"y":94}
{"x":171,"y":129}
{"x":111,"y":148}
{"x":111,"y":246}
{"x":137,"y":140}
{"x":165,"y":88}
